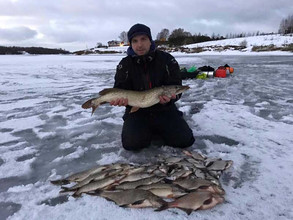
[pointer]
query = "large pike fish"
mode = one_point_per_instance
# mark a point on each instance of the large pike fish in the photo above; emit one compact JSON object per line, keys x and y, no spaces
{"x":136,"y":99}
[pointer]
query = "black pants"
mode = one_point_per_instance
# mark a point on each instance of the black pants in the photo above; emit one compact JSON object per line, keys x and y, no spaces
{"x":140,"y":127}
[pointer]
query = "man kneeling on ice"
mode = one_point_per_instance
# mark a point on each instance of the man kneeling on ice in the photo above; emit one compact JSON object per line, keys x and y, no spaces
{"x":145,"y":68}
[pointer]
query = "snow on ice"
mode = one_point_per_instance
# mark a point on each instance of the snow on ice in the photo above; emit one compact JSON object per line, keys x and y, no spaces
{"x":45,"y":134}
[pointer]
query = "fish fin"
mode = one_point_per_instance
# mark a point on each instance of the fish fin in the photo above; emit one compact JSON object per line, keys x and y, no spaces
{"x":134,"y":109}
{"x":94,"y":109}
{"x":138,"y":202}
{"x":170,"y":196}
{"x":187,"y":153}
{"x":111,"y":187}
{"x":163,"y":207}
{"x":188,"y":211}
{"x":107,"y":90}
{"x":96,"y":192}
{"x":76,"y":195}
{"x":60,"y":182}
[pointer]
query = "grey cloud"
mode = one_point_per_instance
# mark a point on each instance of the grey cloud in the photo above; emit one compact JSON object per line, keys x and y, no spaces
{"x":17,"y":33}
{"x":70,"y":21}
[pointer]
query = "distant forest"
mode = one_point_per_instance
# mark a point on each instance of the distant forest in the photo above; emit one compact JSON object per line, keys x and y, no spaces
{"x":30,"y":50}
{"x":179,"y":37}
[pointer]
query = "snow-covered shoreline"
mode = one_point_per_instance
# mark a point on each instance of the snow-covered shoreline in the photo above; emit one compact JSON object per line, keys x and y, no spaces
{"x":274,"y":43}
{"x":225,"y":46}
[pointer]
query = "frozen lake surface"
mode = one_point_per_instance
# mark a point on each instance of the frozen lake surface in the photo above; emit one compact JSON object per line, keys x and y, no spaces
{"x":45,"y":134}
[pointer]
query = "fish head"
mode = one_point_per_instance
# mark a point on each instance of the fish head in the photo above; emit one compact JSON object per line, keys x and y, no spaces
{"x":229,"y":164}
{"x":212,"y":201}
{"x":212,"y":188}
{"x":218,"y":190}
{"x":174,"y":89}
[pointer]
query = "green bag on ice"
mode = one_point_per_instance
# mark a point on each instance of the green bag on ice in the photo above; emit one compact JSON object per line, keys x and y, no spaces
{"x":202,"y":76}
{"x":192,"y":69}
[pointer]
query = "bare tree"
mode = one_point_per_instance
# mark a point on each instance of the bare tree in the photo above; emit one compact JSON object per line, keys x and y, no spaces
{"x":123,"y":36}
{"x":180,"y":33}
{"x":163,"y":35}
{"x":99,"y":44}
{"x":286,"y":25}
{"x":179,"y":37}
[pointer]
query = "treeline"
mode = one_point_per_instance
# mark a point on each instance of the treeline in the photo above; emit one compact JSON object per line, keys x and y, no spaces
{"x":249,"y":34}
{"x":179,"y":37}
{"x":286,"y":25}
{"x":30,"y":50}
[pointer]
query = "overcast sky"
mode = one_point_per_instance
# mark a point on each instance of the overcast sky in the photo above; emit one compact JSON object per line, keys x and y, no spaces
{"x":77,"y":24}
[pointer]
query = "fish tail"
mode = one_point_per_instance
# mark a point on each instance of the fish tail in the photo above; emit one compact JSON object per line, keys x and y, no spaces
{"x":162,"y":207}
{"x":60,"y":182}
{"x":63,"y":191}
{"x":76,"y":195}
{"x":96,"y":192}
{"x":168,"y":181}
{"x":66,"y":189}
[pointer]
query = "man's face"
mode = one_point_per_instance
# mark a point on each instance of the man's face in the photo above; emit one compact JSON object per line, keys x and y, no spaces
{"x":141,"y":44}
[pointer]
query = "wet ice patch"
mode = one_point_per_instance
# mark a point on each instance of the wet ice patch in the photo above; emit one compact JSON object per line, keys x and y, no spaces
{"x":287,"y":119}
{"x":79,"y":152}
{"x":8,"y":208}
{"x":109,"y":158}
{"x":20,"y":167}
{"x":22,"y":123}
{"x":6,"y":137}
{"x":21,"y":188}
{"x":226,"y":120}
{"x":117,"y":121}
{"x":56,"y":200}
{"x":21,"y":103}
{"x":65,"y":145}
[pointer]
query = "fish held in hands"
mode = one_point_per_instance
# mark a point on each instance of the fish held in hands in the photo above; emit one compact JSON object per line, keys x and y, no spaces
{"x":136,"y":99}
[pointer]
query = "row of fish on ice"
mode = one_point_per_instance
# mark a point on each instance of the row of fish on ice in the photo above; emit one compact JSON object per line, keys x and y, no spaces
{"x":188,"y":182}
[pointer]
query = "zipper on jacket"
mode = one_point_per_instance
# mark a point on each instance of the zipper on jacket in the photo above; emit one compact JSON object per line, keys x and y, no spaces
{"x":147,"y":76}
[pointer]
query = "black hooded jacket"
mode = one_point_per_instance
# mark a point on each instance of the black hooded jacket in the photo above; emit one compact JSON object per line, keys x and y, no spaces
{"x":140,"y":73}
